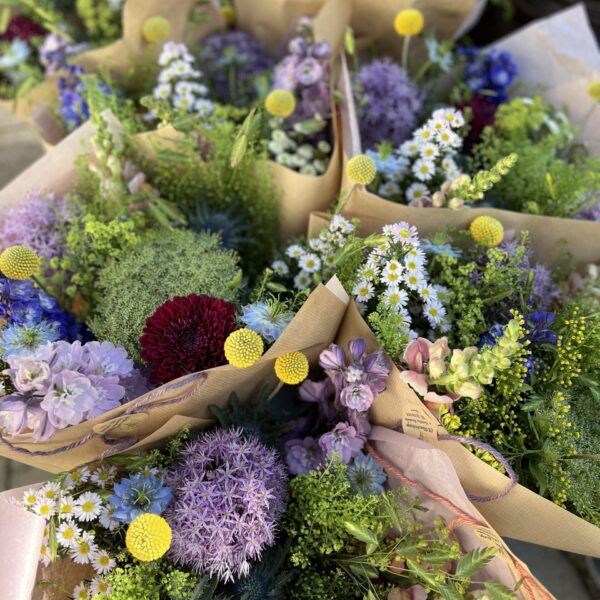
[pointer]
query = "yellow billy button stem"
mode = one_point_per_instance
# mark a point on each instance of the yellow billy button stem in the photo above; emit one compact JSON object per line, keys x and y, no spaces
{"x":487,"y":231}
{"x":156,"y":29}
{"x":291,"y":368}
{"x":19,"y":262}
{"x":243,"y":348}
{"x":408,"y":23}
{"x":148,"y":537}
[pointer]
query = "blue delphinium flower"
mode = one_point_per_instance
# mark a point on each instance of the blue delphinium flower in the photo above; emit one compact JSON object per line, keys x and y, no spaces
{"x":490,"y":73}
{"x":365,"y":475}
{"x":18,"y":339}
{"x":268,"y":319}
{"x":139,"y":494}
{"x":539,"y":324}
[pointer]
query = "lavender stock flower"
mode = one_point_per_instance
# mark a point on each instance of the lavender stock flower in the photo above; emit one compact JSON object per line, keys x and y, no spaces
{"x":302,"y":456}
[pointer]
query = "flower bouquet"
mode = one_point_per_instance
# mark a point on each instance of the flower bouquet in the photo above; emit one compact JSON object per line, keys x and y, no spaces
{"x":505,"y":404}
{"x":244,"y":509}
{"x":492,"y":143}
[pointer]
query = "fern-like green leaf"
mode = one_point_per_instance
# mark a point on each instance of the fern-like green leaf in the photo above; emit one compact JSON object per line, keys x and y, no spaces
{"x":473,"y":562}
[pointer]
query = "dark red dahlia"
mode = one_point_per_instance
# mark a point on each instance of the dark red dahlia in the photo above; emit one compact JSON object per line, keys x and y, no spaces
{"x":23,"y":28}
{"x":185,"y":335}
{"x":484,"y":112}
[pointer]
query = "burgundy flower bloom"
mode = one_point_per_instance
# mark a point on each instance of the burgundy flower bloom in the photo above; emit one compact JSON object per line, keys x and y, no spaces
{"x":23,"y":28}
{"x":185,"y":335}
{"x":484,"y":112}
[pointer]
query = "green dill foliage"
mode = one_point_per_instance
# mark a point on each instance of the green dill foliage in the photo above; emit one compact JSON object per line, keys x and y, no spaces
{"x":387,"y":325}
{"x":473,"y":189}
{"x":163,"y":265}
{"x":101,"y":22}
{"x":341,"y":548}
{"x":550,"y":176}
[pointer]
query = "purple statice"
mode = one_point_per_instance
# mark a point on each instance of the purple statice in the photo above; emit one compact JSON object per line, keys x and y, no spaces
{"x":228,"y":493}
{"x":489,"y":73}
{"x":306,"y":72}
{"x":388,"y":104}
{"x":61,"y":384}
{"x":233,"y":62}
{"x":139,"y":494}
{"x":38,"y":223}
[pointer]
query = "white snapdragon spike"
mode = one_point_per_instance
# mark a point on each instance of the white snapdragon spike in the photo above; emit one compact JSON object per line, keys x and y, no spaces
{"x":180,"y":83}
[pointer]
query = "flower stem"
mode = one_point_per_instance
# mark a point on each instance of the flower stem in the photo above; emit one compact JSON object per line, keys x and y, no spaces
{"x":405,"y":47}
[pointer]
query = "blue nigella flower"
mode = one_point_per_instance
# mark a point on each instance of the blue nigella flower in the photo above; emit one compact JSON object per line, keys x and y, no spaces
{"x":431,"y":248}
{"x":18,"y":339}
{"x":268,"y":319}
{"x":17,"y":53}
{"x":365,"y":475}
{"x":138,"y":495}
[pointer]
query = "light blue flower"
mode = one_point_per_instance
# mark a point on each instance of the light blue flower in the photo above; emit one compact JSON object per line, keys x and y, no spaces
{"x":431,"y":248}
{"x":365,"y":475}
{"x":439,"y":54}
{"x":26,"y":337}
{"x":268,"y":319}
{"x":17,"y":53}
{"x":139,"y":494}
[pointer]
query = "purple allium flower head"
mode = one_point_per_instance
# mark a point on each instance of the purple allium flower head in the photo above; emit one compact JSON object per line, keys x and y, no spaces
{"x":388,"y":104}
{"x":39,"y":224}
{"x":228,"y":493}
{"x":303,"y":456}
{"x":231,"y":62}
{"x":343,"y":440}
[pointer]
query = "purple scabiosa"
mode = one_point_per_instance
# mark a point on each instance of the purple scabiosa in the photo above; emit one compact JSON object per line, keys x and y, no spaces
{"x":365,"y":475}
{"x":388,"y":103}
{"x":302,"y":456}
{"x":343,"y":440}
{"x":232,"y":62}
{"x":139,"y":494}
{"x":38,"y":223}
{"x":228,"y":493}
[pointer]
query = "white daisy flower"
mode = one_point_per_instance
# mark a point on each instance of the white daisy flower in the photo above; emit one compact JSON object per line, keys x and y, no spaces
{"x":66,"y":506}
{"x":329,"y":259}
{"x":306,"y":151}
{"x":435,"y":312}
{"x":405,"y":233}
{"x":88,"y":506}
{"x":199,"y":88}
{"x":99,"y":586}
{"x":280,"y":267}
{"x":310,"y":262}
{"x":295,"y":251}
{"x":106,"y":519}
{"x":81,"y":592}
{"x":414,"y":279}
{"x":429,"y":151}
{"x":166,"y":75}
{"x":308,"y":170}
{"x":45,"y":508}
{"x":302,"y":280}
{"x":449,"y":139}
{"x":424,"y":135}
{"x":424,"y":169}
{"x":181,"y":68}
{"x":391,"y":277}
{"x":454,"y":118}
{"x":416,"y":191}
{"x":276,"y":147}
{"x":50,"y":490}
{"x":102,"y":562}
{"x":368,"y":272}
{"x":393,"y":266}
{"x":320,"y":165}
{"x":443,"y":293}
{"x":284,"y":159}
{"x":388,"y":189}
{"x":84,"y":549}
{"x":413,"y":264}
{"x":395,"y":296}
{"x":409,"y":148}
{"x":381,"y":249}
{"x":363,"y":291}
{"x":204,"y":107}
{"x":68,"y":533}
{"x":104,"y":475}
{"x":427,"y":293}
{"x":162,"y":91}
{"x":30,"y":497}
{"x":184,"y":88}
{"x":184,"y":102}
{"x":45,"y":553}
{"x":444,"y":326}
{"x":316,"y":244}
{"x":438,"y":123}
{"x":406,"y":319}
{"x":77,"y":477}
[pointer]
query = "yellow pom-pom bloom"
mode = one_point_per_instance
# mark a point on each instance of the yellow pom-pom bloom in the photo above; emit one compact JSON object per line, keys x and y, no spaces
{"x":156,"y":29}
{"x":228,"y":13}
{"x":19,"y":262}
{"x":281,"y":103}
{"x":243,"y":348}
{"x":487,"y":231}
{"x":361,"y":170}
{"x":291,"y":368}
{"x":148,"y":537}
{"x":409,"y":22}
{"x":594,"y":90}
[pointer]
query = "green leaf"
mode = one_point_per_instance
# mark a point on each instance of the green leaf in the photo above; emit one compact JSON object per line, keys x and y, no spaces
{"x":540,"y":477}
{"x":370,"y":595}
{"x":276,"y":287}
{"x":424,"y":575}
{"x":361,"y":533}
{"x":4,"y":19}
{"x":350,"y":41}
{"x":364,"y":571}
{"x":473,"y":562}
{"x":448,"y":592}
{"x":371,"y":548}
{"x":438,"y":558}
{"x":239,"y":150}
{"x":498,"y":591}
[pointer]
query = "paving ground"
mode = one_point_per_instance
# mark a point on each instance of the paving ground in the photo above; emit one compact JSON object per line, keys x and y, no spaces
{"x":19,"y":147}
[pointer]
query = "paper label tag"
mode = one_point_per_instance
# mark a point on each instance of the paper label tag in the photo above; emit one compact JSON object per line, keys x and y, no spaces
{"x":416,"y":424}
{"x":122,"y":424}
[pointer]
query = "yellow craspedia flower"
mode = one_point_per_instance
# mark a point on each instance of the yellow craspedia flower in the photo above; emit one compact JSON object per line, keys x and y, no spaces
{"x":19,"y":262}
{"x":487,"y":231}
{"x":409,"y":22}
{"x":361,"y":169}
{"x":281,"y":103}
{"x":243,"y":348}
{"x":291,"y":368}
{"x":148,"y":537}
{"x":594,"y":90}
{"x":156,"y":29}
{"x":228,"y":13}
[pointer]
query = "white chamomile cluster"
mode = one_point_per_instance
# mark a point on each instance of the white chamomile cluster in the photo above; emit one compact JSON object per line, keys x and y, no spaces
{"x":71,"y":519}
{"x":179,"y":82}
{"x":423,"y":163}
{"x":395,"y":274}
{"x":313,"y":262}
{"x":288,"y":151}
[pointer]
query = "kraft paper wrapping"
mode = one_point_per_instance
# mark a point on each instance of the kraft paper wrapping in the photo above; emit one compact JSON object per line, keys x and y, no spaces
{"x":571,"y":62}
